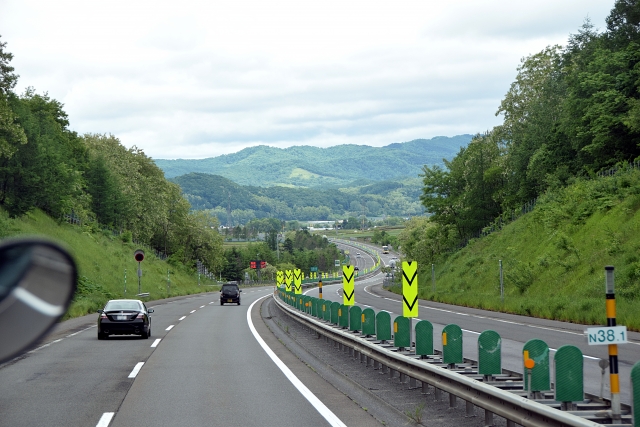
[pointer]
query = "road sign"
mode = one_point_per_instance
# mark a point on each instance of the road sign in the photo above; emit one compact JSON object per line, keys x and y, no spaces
{"x":297,"y":280}
{"x":288,"y":278}
{"x":337,"y":264}
{"x":313,"y":268}
{"x":410,"y":289}
{"x":279,"y":278}
{"x":348,"y":285}
{"x":138,"y":255}
{"x":606,"y":335}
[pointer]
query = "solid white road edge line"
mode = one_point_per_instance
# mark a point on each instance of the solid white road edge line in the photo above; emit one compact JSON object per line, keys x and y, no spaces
{"x":105,"y":419}
{"x":136,"y":369}
{"x":328,"y":415}
{"x":156,"y":342}
{"x":169,"y":328}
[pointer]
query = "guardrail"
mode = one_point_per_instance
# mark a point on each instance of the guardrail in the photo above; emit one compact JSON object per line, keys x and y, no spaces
{"x":506,"y":404}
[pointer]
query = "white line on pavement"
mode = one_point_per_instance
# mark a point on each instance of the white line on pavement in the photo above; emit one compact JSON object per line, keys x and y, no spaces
{"x":192,"y":311}
{"x":202,"y":306}
{"x":317,"y":403}
{"x":155,"y":343}
{"x":182,"y":318}
{"x":136,"y":369}
{"x":169,"y":328}
{"x":105,"y":419}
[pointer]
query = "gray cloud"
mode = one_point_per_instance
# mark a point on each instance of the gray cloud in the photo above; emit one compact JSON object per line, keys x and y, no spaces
{"x":194,"y":79}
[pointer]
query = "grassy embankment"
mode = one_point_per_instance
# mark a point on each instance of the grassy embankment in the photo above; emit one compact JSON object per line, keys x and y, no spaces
{"x":554,"y":257}
{"x":102,"y":259}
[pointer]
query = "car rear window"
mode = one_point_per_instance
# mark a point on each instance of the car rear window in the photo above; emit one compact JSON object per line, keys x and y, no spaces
{"x":122,"y":305}
{"x":229,"y":288}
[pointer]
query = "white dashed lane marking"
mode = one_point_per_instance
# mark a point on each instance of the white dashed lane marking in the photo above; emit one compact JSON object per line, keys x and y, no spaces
{"x":136,"y":369}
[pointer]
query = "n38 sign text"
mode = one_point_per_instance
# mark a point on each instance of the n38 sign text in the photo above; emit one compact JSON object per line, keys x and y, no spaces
{"x":607,"y":335}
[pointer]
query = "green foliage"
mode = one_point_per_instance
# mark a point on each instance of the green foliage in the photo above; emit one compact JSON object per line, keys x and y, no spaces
{"x":216,"y":194}
{"x":553,"y":265}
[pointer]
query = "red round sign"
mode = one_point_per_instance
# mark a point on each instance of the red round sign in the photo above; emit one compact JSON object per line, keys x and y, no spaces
{"x":139,"y":255}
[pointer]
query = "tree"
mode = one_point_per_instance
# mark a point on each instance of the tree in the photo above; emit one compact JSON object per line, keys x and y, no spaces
{"x":8,"y":78}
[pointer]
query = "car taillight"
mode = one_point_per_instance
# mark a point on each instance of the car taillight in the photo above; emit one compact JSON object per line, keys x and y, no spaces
{"x":103,"y":316}
{"x":140,"y":316}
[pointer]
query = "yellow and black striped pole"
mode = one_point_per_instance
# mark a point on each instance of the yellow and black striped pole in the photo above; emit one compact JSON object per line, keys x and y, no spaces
{"x":320,"y":289}
{"x":614,"y":380}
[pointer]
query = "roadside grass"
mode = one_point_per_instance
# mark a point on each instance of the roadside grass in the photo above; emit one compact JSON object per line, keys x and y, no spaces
{"x":102,"y":259}
{"x":553,"y":258}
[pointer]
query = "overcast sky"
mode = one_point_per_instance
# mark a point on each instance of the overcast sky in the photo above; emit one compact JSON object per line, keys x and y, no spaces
{"x":196,"y":79}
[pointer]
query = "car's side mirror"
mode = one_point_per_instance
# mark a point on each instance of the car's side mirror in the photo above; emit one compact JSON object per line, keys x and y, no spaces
{"x":37,"y":282}
{"x":150,"y":310}
{"x":220,"y":290}
{"x":240,"y":290}
{"x":100,"y":311}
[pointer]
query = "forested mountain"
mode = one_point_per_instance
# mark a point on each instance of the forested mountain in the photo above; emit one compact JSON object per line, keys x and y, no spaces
{"x":306,"y":166}
{"x":215,"y":194}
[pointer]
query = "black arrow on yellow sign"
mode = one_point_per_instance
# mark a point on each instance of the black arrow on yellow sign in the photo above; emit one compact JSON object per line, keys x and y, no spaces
{"x":409,"y":291}
{"x":349,"y":297}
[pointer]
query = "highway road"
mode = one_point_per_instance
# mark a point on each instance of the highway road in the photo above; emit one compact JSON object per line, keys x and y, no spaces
{"x":515,"y":330}
{"x":204,"y":364}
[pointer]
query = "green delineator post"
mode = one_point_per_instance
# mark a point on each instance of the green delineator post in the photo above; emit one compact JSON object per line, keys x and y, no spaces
{"x":635,"y":393}
{"x":452,"y":344}
{"x":569,"y":384}
{"x":335,"y":307}
{"x":489,"y":353}
{"x":401,"y":328}
{"x":326,"y":310}
{"x":424,"y":338}
{"x":355,"y":318}
{"x":383,"y":326}
{"x":538,"y":351}
{"x":368,"y":322}
{"x":343,"y":316}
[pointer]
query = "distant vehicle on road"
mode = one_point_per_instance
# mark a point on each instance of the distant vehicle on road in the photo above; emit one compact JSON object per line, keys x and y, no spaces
{"x":385,"y":249}
{"x":356,"y":268}
{"x":124,"y":317}
{"x":230,"y":293}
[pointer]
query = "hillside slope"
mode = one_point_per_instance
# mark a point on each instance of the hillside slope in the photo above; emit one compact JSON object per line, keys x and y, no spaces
{"x":306,"y":166}
{"x":102,"y":260}
{"x":554,"y":257}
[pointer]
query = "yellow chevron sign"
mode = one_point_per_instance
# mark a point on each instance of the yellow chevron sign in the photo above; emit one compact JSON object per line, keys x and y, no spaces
{"x":297,"y":280}
{"x":279,"y":278}
{"x":410,"y":289}
{"x":288,"y":278}
{"x":348,"y":285}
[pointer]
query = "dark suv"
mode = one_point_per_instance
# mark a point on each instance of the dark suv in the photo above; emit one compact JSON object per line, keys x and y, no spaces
{"x":230,"y":293}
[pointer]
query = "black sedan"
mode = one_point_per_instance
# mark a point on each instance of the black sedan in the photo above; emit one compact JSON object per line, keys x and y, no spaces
{"x":124,"y":317}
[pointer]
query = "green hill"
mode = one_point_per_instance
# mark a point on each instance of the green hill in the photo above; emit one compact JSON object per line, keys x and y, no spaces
{"x":553,"y":257}
{"x":102,"y":259}
{"x":215,"y":193}
{"x":305,"y":166}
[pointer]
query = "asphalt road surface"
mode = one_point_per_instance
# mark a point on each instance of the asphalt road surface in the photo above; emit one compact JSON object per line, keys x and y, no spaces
{"x":203,"y":365}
